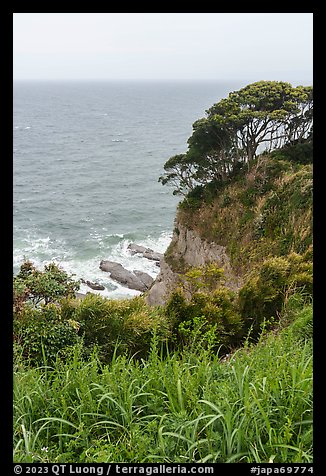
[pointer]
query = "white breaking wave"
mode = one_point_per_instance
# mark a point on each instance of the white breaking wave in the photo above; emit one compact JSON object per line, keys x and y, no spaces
{"x":42,"y":251}
{"x":38,"y":250}
{"x":160,"y":244}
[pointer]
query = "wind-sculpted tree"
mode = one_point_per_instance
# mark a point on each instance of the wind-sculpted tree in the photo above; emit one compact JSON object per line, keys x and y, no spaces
{"x":266,"y":113}
{"x":299,"y":126}
{"x":211,"y":151}
{"x":180,"y":173}
{"x":260,"y":117}
{"x":209,"y":157}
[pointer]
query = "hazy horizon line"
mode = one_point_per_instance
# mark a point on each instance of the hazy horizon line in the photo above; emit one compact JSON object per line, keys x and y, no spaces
{"x":167,"y":80}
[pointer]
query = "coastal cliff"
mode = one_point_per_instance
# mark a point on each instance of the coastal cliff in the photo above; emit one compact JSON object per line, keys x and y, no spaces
{"x":188,"y":249}
{"x":265,"y":212}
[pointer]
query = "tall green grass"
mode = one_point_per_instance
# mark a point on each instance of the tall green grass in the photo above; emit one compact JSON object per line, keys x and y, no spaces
{"x":256,"y":406}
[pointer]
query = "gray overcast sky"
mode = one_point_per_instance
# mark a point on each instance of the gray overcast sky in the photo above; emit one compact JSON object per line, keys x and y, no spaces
{"x":253,"y":46}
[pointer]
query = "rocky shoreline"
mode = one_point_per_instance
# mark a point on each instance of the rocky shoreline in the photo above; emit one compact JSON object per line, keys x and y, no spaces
{"x":189,"y":248}
{"x":136,"y":279}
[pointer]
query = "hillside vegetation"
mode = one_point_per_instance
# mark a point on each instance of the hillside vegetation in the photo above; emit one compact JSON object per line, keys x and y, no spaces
{"x":215,"y":374}
{"x":182,"y":407}
{"x":264,"y":211}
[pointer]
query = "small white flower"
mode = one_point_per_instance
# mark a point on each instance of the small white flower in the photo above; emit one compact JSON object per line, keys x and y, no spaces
{"x":45,"y":448}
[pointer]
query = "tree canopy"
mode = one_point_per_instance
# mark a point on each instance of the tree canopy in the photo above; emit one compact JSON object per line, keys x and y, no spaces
{"x":262,"y":116}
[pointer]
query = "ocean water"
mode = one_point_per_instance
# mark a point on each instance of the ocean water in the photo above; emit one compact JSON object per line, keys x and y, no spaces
{"x":86,"y":162}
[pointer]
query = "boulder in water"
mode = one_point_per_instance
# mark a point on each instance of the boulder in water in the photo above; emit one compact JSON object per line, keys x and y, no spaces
{"x":144,"y":277}
{"x":124,"y":276}
{"x":137,"y":249}
{"x":146,"y":252}
{"x":95,"y":286}
{"x":153,"y":255}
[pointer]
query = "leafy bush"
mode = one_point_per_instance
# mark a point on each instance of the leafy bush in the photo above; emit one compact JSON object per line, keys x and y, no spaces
{"x":43,"y":335}
{"x":117,"y":325}
{"x":266,"y":210}
{"x":39,"y":326}
{"x":203,"y":310}
{"x":205,"y":315}
{"x":267,"y":289}
{"x":46,"y":286}
{"x":221,"y":139}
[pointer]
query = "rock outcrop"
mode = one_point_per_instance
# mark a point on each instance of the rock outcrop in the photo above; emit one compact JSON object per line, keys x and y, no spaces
{"x":152,"y":255}
{"x":95,"y":286}
{"x":146,"y":252}
{"x":166,"y":281}
{"x":137,"y":280}
{"x":137,"y":249}
{"x":145,"y":278}
{"x":189,"y":249}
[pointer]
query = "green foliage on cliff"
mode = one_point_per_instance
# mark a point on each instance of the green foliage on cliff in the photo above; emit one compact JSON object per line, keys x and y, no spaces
{"x":265,"y":115}
{"x":263,"y":217}
{"x":265,"y":211}
{"x":48,"y":329}
{"x":117,"y":326}
{"x":202,"y":308}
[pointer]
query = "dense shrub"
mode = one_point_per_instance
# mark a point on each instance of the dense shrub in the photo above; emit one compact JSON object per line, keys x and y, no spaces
{"x":117,"y":325}
{"x":301,"y":152}
{"x":38,"y":324}
{"x":298,"y":315}
{"x":302,"y":327}
{"x":38,"y":286}
{"x":266,"y":290}
{"x":265,"y":210}
{"x":207,"y":316}
{"x":286,"y":214}
{"x":43,"y":335}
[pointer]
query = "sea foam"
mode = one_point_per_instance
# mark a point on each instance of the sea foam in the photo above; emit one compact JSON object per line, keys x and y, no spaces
{"x":44,"y":250}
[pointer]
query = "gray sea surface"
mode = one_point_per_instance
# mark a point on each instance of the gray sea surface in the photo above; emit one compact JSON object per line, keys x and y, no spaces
{"x":86,"y":161}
